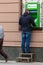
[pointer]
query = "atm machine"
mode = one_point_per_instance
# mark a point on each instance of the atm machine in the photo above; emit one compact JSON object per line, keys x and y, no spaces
{"x":34,"y":8}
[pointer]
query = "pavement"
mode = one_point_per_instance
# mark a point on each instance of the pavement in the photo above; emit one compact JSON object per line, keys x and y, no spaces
{"x":2,"y":62}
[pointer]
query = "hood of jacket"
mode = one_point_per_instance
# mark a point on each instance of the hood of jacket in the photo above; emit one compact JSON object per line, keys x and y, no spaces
{"x":26,"y":14}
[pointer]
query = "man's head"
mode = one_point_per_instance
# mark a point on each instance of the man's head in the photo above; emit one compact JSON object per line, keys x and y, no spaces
{"x":27,"y":11}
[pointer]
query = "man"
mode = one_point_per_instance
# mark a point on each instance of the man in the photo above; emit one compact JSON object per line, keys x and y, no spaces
{"x":26,"y":22}
{"x":1,"y":44}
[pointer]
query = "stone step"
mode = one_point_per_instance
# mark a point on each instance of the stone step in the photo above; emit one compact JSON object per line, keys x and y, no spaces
{"x":23,"y":59}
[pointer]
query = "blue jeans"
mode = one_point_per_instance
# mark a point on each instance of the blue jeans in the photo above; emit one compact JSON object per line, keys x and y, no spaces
{"x":26,"y":36}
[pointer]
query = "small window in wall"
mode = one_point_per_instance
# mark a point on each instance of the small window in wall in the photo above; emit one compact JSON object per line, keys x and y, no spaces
{"x":35,"y":10}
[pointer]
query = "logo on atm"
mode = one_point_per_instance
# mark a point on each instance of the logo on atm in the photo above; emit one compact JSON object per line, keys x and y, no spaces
{"x":32,"y":6}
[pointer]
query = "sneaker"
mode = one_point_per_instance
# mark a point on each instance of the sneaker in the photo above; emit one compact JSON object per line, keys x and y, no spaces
{"x":6,"y":59}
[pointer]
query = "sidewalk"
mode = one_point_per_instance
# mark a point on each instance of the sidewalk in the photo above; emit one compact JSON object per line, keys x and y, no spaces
{"x":19,"y":63}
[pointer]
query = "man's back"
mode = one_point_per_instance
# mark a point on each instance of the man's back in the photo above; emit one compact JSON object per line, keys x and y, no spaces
{"x":26,"y":21}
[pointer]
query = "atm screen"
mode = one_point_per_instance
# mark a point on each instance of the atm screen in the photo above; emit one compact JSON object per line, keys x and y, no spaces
{"x":33,"y":13}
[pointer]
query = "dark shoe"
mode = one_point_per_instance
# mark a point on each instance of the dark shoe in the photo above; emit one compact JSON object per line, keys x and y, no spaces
{"x":6,"y":59}
{"x":29,"y":52}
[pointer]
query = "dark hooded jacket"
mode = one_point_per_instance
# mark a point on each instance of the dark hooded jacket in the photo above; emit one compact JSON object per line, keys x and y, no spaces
{"x":26,"y":22}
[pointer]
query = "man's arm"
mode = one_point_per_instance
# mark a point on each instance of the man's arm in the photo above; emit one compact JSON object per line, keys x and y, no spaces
{"x":20,"y":27}
{"x":32,"y":21}
{"x":20,"y":23}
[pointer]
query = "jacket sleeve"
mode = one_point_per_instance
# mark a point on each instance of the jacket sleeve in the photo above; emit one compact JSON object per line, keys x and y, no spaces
{"x":20,"y":24}
{"x":20,"y":21}
{"x":32,"y":22}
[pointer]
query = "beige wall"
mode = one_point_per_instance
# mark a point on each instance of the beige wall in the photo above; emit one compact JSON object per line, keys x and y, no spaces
{"x":9,"y":18}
